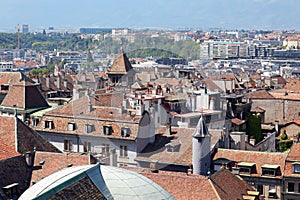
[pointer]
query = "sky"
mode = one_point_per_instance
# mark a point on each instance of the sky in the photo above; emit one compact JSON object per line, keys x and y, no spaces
{"x":169,"y":14}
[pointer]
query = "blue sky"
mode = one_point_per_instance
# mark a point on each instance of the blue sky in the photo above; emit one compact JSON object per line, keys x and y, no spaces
{"x":225,"y":14}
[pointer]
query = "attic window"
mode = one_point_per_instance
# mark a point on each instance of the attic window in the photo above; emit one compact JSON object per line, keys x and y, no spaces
{"x":172,"y":147}
{"x":4,"y":87}
{"x":296,"y":168}
{"x":11,"y":190}
{"x":269,"y":170}
{"x":125,"y":131}
{"x":246,"y":167}
{"x":48,"y":124}
{"x":107,"y":130}
{"x":71,"y":126}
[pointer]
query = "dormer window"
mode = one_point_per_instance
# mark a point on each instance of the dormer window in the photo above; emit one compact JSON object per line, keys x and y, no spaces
{"x":173,"y":147}
{"x":48,"y":124}
{"x":269,"y":170}
{"x":4,"y":87}
{"x":296,"y":168}
{"x":125,"y":132}
{"x":71,"y":126}
{"x":246,"y":168}
{"x":107,"y":130}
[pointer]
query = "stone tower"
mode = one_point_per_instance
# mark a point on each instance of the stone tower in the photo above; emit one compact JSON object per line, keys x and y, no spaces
{"x":201,"y":148}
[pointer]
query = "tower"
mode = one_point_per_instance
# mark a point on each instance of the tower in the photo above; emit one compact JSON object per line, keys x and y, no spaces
{"x":201,"y":148}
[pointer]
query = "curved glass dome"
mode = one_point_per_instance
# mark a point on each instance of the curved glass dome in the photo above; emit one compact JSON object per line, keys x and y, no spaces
{"x":108,"y":182}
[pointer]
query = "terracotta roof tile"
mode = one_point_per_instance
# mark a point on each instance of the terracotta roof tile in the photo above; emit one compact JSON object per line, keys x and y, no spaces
{"x":7,"y":151}
{"x":121,"y":65}
{"x":78,"y":112}
{"x":221,"y":185}
{"x":24,"y":95}
{"x":260,"y":94}
{"x":11,"y":78}
{"x":259,"y":158}
{"x":237,"y":121}
{"x":289,"y":96}
{"x":294,"y":155}
{"x":26,"y":137}
{"x":47,"y":163}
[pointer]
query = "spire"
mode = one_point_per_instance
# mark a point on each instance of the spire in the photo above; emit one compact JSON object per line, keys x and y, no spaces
{"x":201,"y":130}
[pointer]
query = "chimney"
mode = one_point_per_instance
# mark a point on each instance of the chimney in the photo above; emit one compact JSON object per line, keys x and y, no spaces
{"x":277,"y":127}
{"x":169,"y":128}
{"x":65,"y":83}
{"x":58,"y":84}
{"x":252,"y":141}
{"x":153,"y":166}
{"x":112,"y":157}
{"x":212,"y":103}
{"x":226,"y":138}
{"x":48,"y":81}
{"x":29,"y":157}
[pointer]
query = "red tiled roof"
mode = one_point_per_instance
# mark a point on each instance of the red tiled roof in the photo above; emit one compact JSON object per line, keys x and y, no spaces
{"x":185,"y":187}
{"x":288,"y":96}
{"x":293,"y":156}
{"x":24,"y":95}
{"x":260,"y":94}
{"x":257,"y":157}
{"x":7,"y":151}
{"x":183,"y":136}
{"x":121,"y":65}
{"x":27,"y":138}
{"x":237,"y":121}
{"x":229,"y":186}
{"x":53,"y":162}
{"x":11,"y":78}
{"x":78,"y":112}
{"x":221,"y":185}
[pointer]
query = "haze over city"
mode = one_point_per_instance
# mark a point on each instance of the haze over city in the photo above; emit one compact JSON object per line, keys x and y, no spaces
{"x":205,"y":14}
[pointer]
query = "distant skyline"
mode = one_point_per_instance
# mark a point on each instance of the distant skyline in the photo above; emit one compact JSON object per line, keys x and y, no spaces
{"x":175,"y":14}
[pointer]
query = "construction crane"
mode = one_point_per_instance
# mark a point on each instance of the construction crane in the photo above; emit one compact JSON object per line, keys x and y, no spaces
{"x":19,"y":39}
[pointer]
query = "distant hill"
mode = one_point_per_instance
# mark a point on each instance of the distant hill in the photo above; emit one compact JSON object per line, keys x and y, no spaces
{"x":151,"y":52}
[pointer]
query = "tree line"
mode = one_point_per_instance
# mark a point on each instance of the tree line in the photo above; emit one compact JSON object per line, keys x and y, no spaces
{"x":187,"y":49}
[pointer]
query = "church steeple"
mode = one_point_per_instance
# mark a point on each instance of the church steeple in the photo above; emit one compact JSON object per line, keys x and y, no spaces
{"x":201,"y":148}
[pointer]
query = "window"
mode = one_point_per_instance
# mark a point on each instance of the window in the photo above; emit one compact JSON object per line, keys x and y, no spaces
{"x":89,"y":128}
{"x":35,"y":122}
{"x":71,"y":126}
{"x":105,"y":148}
{"x":4,"y":87}
{"x":291,"y":187}
{"x":268,"y":172}
{"x":245,"y":170}
{"x":123,"y":151}
{"x":87,"y":147}
{"x":125,"y":132}
{"x":48,"y":124}
{"x":107,"y":130}
{"x":67,"y":145}
{"x":272,"y":191}
{"x":296,"y":168}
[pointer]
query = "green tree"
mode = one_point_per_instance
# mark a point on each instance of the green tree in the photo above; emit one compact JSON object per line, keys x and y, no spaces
{"x":254,"y":127}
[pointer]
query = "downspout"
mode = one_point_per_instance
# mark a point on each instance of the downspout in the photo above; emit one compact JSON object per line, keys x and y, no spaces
{"x":16,"y":130}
